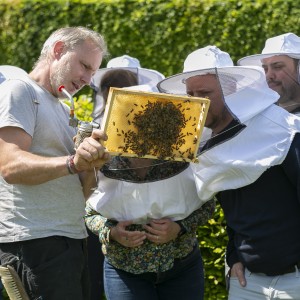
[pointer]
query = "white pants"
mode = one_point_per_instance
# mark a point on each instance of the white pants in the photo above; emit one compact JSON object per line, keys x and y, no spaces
{"x":262,"y":287}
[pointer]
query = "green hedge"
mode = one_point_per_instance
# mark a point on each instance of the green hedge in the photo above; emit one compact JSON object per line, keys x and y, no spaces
{"x":160,"y":33}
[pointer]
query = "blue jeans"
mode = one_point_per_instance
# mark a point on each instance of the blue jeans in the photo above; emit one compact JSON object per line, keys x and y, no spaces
{"x":184,"y":281}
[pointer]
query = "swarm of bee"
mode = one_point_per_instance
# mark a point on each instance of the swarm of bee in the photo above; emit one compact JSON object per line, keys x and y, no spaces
{"x":152,"y":125}
{"x":158,"y":131}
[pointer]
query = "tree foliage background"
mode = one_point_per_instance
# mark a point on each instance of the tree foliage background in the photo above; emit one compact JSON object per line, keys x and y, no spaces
{"x":160,"y":33}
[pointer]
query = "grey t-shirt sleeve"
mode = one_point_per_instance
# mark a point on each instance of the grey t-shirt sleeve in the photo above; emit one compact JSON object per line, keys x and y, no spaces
{"x":17,"y":106}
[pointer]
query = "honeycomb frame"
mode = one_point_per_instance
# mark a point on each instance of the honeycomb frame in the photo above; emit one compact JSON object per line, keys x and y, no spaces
{"x":124,"y":106}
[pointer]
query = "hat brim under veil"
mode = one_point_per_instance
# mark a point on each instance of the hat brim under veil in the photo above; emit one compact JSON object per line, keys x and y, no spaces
{"x":245,"y":89}
{"x":145,"y":77}
{"x":256,"y":59}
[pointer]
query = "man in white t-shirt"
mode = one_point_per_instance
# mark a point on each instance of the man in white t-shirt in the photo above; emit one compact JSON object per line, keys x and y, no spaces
{"x":43,"y":180}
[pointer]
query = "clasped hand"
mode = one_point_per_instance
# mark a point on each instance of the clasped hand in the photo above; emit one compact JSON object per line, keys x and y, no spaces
{"x":157,"y":231}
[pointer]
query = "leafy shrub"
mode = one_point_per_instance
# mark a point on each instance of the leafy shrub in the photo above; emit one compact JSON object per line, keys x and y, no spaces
{"x":160,"y":33}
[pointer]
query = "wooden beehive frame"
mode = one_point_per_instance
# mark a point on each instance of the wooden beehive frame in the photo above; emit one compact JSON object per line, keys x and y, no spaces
{"x":123,"y":106}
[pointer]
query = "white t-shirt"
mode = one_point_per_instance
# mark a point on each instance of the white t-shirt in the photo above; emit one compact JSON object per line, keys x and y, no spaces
{"x":57,"y":206}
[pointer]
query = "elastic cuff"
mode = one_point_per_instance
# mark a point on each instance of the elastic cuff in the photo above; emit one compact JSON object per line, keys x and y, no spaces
{"x":182,"y":228}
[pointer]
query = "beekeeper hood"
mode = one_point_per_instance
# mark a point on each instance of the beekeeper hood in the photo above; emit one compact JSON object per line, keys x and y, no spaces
{"x":146,"y":78}
{"x":284,"y":44}
{"x":267,"y":130}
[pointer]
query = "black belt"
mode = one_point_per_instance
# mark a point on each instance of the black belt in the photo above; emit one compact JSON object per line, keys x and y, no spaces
{"x":290,"y":269}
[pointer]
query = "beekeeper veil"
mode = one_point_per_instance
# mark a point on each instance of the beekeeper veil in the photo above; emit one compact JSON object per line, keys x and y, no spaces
{"x":245,"y":90}
{"x":267,"y":132}
{"x":145,"y":77}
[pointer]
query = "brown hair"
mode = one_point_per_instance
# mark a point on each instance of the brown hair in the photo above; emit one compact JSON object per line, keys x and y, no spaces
{"x":118,"y":78}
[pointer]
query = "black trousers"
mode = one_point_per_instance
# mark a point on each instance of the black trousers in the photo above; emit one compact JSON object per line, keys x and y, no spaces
{"x":95,"y":259}
{"x":52,"y":268}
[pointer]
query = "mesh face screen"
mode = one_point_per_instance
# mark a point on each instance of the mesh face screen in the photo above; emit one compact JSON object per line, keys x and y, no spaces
{"x":154,"y":125}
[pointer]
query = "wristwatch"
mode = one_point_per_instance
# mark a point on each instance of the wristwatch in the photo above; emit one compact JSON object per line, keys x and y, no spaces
{"x":182,"y":229}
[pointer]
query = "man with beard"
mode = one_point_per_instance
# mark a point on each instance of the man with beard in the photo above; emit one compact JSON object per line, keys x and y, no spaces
{"x":251,"y":166}
{"x":280,"y":60}
{"x":43,"y":180}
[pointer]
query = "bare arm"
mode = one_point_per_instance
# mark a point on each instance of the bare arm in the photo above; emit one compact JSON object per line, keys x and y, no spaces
{"x":19,"y":166}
